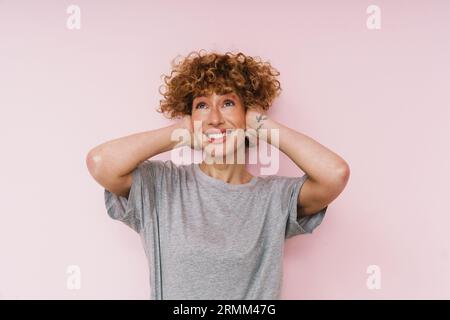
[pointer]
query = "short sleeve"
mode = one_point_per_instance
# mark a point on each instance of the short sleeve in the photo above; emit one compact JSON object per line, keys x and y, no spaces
{"x":307,"y":224}
{"x":131,"y":210}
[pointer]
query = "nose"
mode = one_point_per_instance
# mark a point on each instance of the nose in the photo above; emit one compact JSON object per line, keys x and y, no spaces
{"x":215,"y":117}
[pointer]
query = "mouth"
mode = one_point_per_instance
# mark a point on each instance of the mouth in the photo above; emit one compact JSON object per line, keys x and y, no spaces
{"x":217,"y":136}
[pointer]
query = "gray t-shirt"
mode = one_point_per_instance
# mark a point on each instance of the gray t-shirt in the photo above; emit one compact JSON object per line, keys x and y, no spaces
{"x":208,"y":239}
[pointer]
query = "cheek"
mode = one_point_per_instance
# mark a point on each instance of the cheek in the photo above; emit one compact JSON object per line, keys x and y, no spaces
{"x":236,"y":118}
{"x":239,"y":118}
{"x":196,"y":123}
{"x":197,"y":116}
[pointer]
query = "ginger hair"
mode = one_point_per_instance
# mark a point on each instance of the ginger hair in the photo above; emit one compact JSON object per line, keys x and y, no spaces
{"x":201,"y":73}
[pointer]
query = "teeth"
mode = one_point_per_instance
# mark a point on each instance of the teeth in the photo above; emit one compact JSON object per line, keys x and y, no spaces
{"x":216,"y":135}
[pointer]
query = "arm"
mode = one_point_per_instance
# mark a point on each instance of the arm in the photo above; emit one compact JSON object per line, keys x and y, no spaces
{"x":328,"y":173}
{"x":111,"y":164}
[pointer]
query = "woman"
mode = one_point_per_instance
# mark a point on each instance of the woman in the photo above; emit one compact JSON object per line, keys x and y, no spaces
{"x":213,"y":230}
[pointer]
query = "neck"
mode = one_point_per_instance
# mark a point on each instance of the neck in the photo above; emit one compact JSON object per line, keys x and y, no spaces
{"x":230,"y":173}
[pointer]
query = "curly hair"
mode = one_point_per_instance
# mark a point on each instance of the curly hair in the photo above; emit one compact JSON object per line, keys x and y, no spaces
{"x":200,"y":73}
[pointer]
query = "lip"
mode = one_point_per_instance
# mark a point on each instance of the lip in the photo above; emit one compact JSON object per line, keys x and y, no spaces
{"x":222,"y":131}
{"x":215,"y":130}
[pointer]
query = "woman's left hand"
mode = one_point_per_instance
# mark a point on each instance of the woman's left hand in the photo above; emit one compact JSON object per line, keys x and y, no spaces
{"x":254,"y":119}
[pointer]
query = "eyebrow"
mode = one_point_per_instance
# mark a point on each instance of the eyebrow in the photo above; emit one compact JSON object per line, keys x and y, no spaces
{"x":226,"y":95}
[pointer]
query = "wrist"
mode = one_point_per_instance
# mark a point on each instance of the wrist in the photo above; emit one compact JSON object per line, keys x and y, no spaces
{"x":178,"y":135}
{"x":264,"y":126}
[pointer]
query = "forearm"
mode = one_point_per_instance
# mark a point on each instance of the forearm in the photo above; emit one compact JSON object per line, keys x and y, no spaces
{"x":320,"y":163}
{"x":120,"y":156}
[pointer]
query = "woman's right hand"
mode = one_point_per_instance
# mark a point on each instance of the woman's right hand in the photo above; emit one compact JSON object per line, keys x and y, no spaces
{"x":187,"y":124}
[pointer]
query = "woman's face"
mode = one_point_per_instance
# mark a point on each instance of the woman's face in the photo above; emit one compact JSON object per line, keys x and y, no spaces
{"x":220,"y":116}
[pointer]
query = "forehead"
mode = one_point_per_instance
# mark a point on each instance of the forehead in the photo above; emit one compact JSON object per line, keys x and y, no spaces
{"x":210,"y":96}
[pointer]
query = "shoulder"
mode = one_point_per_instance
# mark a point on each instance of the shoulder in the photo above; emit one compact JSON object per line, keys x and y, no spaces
{"x":271,"y":185}
{"x":283,"y":182}
{"x":166,"y":169}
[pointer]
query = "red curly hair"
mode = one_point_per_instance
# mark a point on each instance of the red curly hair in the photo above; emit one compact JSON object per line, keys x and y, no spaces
{"x":200,"y":73}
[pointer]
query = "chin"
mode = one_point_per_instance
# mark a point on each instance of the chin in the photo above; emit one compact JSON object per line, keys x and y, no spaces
{"x":220,"y":154}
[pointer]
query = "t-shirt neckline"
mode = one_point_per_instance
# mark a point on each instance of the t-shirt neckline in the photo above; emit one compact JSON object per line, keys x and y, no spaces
{"x":220,"y":183}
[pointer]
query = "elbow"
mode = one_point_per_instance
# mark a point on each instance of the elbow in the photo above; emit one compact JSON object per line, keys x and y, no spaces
{"x":339,"y":180}
{"x":343,"y":174}
{"x":93,"y":160}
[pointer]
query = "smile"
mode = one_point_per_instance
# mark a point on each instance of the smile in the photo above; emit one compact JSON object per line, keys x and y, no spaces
{"x":217,"y":137}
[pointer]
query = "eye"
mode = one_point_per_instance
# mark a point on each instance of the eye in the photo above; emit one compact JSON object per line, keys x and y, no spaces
{"x":200,"y":105}
{"x":229,"y":103}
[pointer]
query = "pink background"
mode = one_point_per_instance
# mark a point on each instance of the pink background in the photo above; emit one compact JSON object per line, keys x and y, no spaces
{"x":379,"y":98}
